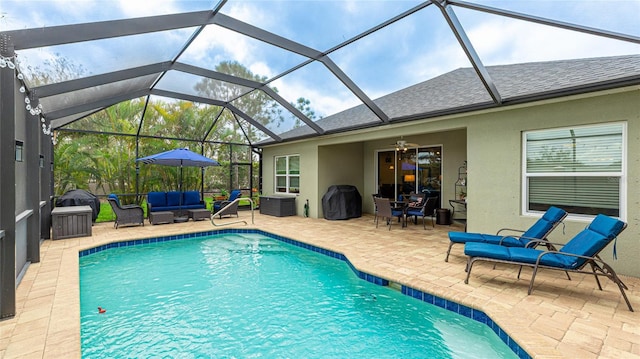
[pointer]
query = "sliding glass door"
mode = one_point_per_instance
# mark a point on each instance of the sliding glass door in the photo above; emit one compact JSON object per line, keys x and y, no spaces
{"x":417,"y":170}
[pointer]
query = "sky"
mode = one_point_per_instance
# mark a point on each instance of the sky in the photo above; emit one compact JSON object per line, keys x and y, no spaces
{"x":412,"y":50}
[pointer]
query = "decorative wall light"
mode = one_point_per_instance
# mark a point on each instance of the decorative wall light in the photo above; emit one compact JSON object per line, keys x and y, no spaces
{"x":29,"y":98}
{"x":7,"y":62}
{"x":19,"y":150}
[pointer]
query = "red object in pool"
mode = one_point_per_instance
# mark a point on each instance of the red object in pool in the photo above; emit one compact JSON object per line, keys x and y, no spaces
{"x":101,"y":310}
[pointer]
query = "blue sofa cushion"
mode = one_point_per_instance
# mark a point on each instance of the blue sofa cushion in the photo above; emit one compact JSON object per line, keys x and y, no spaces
{"x":170,"y":201}
{"x":193,"y":206}
{"x":173,"y":198}
{"x":157,"y":199}
{"x":191,"y":198}
{"x":115,"y":198}
{"x":236,"y":193}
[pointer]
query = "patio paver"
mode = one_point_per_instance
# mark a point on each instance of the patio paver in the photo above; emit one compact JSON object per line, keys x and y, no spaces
{"x":561,"y":319}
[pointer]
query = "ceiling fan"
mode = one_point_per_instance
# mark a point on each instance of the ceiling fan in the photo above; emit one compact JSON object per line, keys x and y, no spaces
{"x":402,"y":145}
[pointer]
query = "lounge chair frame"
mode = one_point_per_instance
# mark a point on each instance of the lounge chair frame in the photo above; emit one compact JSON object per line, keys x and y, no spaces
{"x":597,"y":265}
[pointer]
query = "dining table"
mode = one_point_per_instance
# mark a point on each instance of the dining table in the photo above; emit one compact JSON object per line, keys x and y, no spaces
{"x":402,"y":205}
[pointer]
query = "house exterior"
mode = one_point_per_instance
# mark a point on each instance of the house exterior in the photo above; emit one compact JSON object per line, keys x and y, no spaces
{"x":503,"y":181}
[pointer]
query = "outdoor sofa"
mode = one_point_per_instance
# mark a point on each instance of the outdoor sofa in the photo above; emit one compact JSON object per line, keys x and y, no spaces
{"x":174,"y":201}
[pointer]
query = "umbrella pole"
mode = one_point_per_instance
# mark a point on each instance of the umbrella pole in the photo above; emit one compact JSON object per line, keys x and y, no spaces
{"x":181,"y":217}
{"x":180,"y":190}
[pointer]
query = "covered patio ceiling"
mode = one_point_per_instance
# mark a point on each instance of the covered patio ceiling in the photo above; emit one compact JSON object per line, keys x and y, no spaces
{"x":291,"y":52}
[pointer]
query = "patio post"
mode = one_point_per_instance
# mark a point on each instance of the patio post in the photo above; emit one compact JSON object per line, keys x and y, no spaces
{"x":7,"y":186}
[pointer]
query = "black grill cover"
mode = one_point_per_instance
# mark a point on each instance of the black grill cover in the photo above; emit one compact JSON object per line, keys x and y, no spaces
{"x":80,"y":197}
{"x":342,"y":202}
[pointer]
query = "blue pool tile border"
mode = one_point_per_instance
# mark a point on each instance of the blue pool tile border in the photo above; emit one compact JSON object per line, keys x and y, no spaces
{"x":452,"y":306}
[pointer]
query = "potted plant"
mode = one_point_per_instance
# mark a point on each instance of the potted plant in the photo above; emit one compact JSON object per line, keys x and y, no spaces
{"x":222,"y":196}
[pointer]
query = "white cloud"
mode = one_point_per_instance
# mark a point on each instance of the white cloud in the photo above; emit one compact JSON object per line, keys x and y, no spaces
{"x":137,"y":8}
{"x":324,"y":104}
{"x":261,"y":68}
{"x":501,"y":41}
{"x":216,"y":44}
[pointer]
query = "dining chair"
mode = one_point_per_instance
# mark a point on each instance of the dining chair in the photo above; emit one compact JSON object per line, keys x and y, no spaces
{"x":428,"y":209}
{"x":385,"y":211}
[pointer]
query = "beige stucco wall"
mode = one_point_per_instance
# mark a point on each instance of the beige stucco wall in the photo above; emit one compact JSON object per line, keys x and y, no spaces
{"x":491,"y":142}
{"x":308,"y":172}
{"x":495,"y":169}
{"x":340,"y":164}
{"x":454,"y":153}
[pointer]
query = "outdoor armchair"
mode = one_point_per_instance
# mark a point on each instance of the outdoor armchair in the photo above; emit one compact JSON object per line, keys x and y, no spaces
{"x":125,"y":214}
{"x":229,"y":209}
{"x":581,"y":251}
{"x":538,"y":231}
{"x":218,"y":205}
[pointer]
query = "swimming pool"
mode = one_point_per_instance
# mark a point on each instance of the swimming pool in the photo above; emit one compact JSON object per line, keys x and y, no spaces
{"x":243,"y":294}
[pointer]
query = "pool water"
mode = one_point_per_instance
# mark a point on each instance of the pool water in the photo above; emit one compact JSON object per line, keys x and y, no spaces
{"x":248,"y":296}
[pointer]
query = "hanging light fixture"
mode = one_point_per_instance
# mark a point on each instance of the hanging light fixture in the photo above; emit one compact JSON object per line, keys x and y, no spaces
{"x":402,"y":145}
{"x":30,"y":99}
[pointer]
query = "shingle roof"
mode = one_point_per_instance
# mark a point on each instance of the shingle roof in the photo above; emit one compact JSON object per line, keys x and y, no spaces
{"x":461,"y":90}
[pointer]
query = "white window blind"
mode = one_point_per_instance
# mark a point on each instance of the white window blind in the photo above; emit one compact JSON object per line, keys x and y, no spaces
{"x":579,"y":169}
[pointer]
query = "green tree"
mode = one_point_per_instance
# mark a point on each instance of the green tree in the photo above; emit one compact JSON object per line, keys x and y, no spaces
{"x":75,"y":167}
{"x":255,"y":104}
{"x":107,"y":160}
{"x":304,"y":105}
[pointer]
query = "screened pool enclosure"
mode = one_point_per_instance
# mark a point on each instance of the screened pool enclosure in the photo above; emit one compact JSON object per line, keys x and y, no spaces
{"x":87,"y":87}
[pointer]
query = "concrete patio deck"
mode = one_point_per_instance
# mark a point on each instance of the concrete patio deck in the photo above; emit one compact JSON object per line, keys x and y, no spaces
{"x":561,"y":319}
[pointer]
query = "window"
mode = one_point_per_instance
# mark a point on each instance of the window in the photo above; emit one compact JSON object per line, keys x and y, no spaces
{"x":580,"y":169}
{"x":288,"y":174}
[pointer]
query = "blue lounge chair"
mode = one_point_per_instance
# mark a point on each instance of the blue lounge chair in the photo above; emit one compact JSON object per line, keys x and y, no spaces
{"x":539,"y":230}
{"x":580,"y":251}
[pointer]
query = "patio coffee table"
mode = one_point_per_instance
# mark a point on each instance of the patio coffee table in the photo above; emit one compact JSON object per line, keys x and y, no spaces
{"x":199,"y":214}
{"x":161,"y":217}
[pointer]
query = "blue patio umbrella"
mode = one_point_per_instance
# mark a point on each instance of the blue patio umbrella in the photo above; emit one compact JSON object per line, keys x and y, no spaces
{"x":179,"y":157}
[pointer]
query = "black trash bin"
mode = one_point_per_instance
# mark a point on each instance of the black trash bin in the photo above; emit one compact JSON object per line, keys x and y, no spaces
{"x":443,"y":216}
